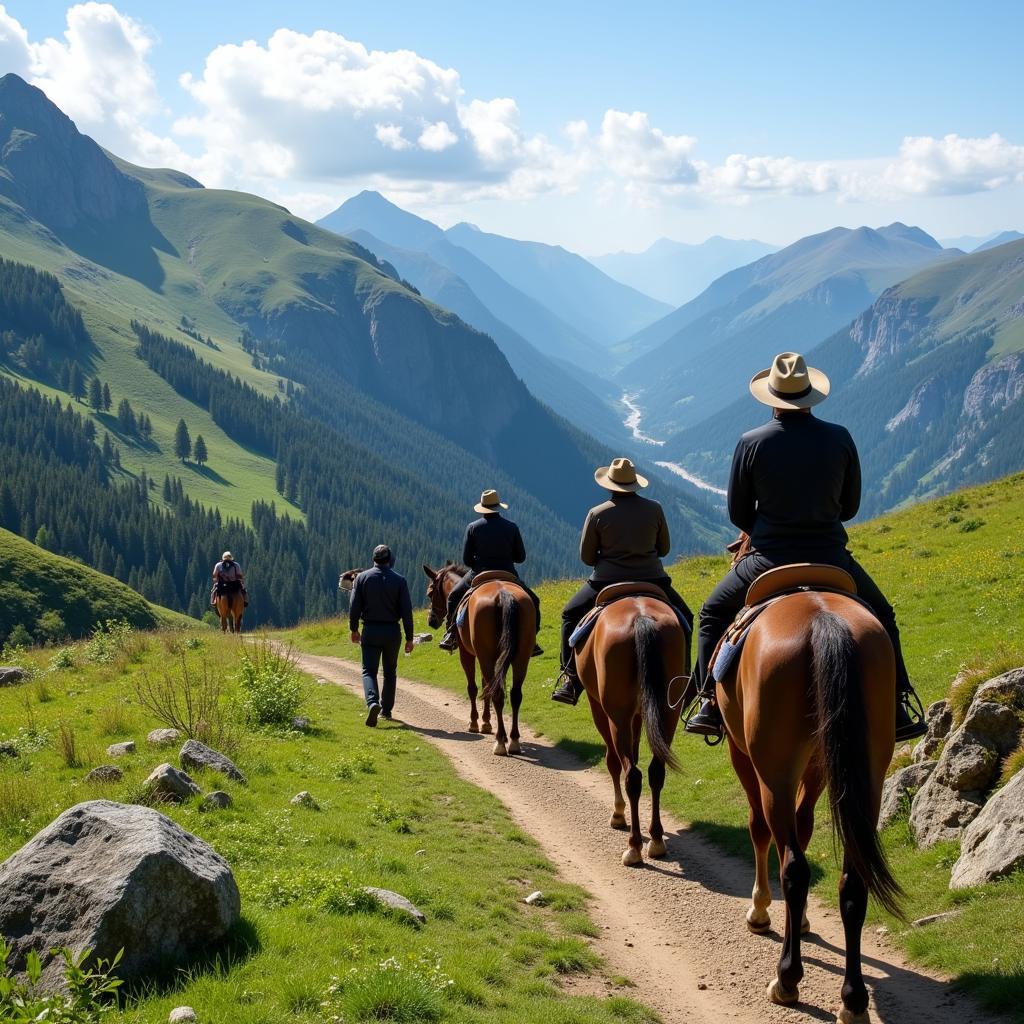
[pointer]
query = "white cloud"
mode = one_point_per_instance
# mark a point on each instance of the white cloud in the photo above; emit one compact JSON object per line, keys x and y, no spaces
{"x":954,"y":165}
{"x":14,"y":48}
{"x":437,"y":137}
{"x":637,"y":151}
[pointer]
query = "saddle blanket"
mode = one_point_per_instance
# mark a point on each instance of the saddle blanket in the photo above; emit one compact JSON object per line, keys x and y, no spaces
{"x":579,"y":635}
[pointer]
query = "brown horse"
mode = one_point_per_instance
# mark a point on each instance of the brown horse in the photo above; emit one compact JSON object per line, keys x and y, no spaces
{"x":627,"y":664}
{"x":499,"y":631}
{"x":231,"y":607}
{"x":809,"y":706}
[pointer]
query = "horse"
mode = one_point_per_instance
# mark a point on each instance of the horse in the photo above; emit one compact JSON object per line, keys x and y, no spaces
{"x":627,"y":664}
{"x":808,"y":706}
{"x":499,"y":631}
{"x":230,"y":604}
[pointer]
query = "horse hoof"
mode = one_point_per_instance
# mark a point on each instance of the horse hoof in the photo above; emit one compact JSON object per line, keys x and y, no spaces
{"x":617,"y":820}
{"x":656,"y":848}
{"x":805,"y":926}
{"x":473,"y":727}
{"x":487,"y":727}
{"x":514,"y":748}
{"x":758,"y":923}
{"x":845,"y":1016}
{"x":632,"y":857}
{"x":782,"y":996}
{"x":499,"y":750}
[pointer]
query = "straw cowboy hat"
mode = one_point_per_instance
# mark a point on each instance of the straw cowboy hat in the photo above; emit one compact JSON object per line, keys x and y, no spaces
{"x":621,"y":476}
{"x":790,"y":383}
{"x":227,"y":557}
{"x":489,"y":502}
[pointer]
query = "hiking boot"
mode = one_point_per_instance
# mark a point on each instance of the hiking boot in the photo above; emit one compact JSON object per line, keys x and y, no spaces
{"x":707,"y":721}
{"x":569,"y":689}
{"x":910,"y":723}
{"x":371,"y":715}
{"x":386,"y":715}
{"x":450,"y":641}
{"x":537,"y":651}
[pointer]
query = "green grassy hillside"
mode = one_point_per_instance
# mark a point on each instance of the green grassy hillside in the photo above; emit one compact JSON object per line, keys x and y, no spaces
{"x":74,"y":598}
{"x":954,"y":570}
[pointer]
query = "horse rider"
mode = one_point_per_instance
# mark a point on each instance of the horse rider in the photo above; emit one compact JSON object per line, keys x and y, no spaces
{"x":226,"y":571}
{"x":491,"y":543}
{"x":380,"y":598}
{"x":794,"y":482}
{"x":624,"y":539}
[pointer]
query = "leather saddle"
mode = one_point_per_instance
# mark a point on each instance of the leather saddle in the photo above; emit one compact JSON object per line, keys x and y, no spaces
{"x":487,"y":576}
{"x":618,"y":592}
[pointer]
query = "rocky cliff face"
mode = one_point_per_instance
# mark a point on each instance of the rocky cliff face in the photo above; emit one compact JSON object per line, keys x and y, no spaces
{"x":59,"y":176}
{"x":887,"y":328}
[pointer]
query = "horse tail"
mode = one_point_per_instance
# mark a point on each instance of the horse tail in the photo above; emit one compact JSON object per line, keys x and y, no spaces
{"x":650,"y":669}
{"x":842,"y":732}
{"x":507,"y":610}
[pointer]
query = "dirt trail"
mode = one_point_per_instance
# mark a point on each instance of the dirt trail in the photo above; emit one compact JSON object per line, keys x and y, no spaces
{"x":676,"y":926}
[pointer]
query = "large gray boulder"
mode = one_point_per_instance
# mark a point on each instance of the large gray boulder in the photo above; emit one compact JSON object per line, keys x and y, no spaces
{"x":994,"y":722}
{"x":901,"y":785}
{"x":109,"y":876}
{"x":198,"y":756}
{"x":11,"y":674}
{"x":165,"y":782}
{"x":993,"y":844}
{"x":969,"y":762}
{"x":939,"y":813}
{"x":939,"y":717}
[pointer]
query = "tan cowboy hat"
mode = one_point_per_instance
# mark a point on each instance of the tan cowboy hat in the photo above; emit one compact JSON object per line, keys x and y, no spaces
{"x":790,"y":383}
{"x":227,"y":557}
{"x":621,"y":475}
{"x":489,"y":502}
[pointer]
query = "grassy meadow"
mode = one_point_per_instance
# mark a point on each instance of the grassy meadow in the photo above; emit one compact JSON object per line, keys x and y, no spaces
{"x":310,"y":948}
{"x":954,"y":570}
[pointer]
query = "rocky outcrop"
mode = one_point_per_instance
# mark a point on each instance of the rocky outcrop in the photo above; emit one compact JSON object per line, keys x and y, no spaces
{"x":994,"y":387}
{"x":107,"y":877}
{"x":198,"y":756}
{"x":888,"y":328}
{"x":11,"y":674}
{"x":939,"y":718}
{"x":993,"y":844}
{"x":901,"y":786}
{"x":926,"y":404}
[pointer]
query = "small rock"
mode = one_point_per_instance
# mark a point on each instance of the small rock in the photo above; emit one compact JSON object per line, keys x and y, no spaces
{"x":882,"y":930}
{"x":218,"y":800}
{"x":535,"y":899}
{"x":9,"y":749}
{"x":199,"y":757}
{"x":121,"y":749}
{"x":702,"y":985}
{"x":163,"y":737}
{"x":166,"y":782}
{"x":420,"y":853}
{"x":901,"y":784}
{"x":11,"y":674}
{"x":423,"y":638}
{"x":923,"y":922}
{"x":105,"y":773}
{"x":395,"y":901}
{"x":305,"y":799}
{"x":182,"y":1014}
{"x":301,"y":724}
{"x":993,"y":844}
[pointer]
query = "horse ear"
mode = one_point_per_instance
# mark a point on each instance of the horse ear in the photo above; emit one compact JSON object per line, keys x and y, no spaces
{"x":430,"y":572}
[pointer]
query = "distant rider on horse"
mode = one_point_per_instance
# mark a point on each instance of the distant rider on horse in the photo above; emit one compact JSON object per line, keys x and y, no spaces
{"x":624,"y":539}
{"x":227,"y":571}
{"x":794,"y":482}
{"x":491,"y":543}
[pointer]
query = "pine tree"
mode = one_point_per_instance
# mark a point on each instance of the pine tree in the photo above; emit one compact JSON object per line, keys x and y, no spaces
{"x":126,"y":417}
{"x":64,"y":375}
{"x":76,"y":384}
{"x":182,"y":441}
{"x":108,"y":402}
{"x":42,"y":538}
{"x":95,"y":395}
{"x":199,"y":451}
{"x":108,"y":448}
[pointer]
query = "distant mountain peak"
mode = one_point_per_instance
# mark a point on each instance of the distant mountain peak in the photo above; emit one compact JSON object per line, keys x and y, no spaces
{"x":910,"y":233}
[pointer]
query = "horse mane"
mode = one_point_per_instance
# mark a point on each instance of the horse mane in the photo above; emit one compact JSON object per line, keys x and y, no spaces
{"x":455,"y":567}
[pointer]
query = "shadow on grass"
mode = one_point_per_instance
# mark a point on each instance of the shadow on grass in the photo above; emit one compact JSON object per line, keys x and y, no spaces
{"x":242,"y":942}
{"x":210,"y":474}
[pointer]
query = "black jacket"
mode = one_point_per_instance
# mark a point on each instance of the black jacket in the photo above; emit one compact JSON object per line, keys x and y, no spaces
{"x":493,"y":543}
{"x":381,"y":595}
{"x":794,"y":481}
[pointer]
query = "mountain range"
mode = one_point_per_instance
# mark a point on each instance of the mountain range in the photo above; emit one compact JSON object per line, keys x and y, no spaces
{"x":326,"y":388}
{"x":693,"y":362}
{"x":676,"y":272}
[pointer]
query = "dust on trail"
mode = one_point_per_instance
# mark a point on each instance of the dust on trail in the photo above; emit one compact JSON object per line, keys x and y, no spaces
{"x":675,"y":927}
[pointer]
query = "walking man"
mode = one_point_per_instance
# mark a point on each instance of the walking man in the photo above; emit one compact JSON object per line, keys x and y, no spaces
{"x":380,"y":598}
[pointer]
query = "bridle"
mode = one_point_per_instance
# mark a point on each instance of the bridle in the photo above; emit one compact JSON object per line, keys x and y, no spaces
{"x":436,"y":594}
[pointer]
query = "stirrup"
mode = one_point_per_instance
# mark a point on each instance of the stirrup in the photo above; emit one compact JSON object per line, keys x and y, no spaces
{"x":691,"y":711}
{"x":571,"y":684}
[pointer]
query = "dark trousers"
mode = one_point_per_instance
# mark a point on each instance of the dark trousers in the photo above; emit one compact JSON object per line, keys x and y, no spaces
{"x":381,"y":641}
{"x":461,"y":589}
{"x":729,"y":596}
{"x":586,"y":597}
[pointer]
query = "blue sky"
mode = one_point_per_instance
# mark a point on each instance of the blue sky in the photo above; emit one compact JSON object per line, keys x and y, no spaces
{"x":746,"y":119}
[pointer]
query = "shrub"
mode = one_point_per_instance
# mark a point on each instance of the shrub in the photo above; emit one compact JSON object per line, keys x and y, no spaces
{"x":64,"y":658}
{"x":108,"y":640}
{"x":405,"y":990}
{"x":190,"y":698}
{"x":67,"y":745}
{"x":271,"y":688}
{"x":84,"y":1001}
{"x":18,"y":640}
{"x":1013,"y":764}
{"x":50,"y":628}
